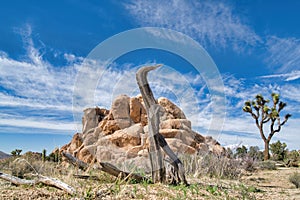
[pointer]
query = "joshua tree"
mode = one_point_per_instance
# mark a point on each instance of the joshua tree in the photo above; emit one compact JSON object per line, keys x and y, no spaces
{"x":18,"y":151}
{"x":263,"y":114}
{"x":13,"y":153}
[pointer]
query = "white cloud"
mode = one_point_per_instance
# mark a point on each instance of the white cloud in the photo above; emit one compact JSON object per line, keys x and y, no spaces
{"x":283,"y":53}
{"x":37,"y":84}
{"x":240,"y":127}
{"x":71,"y":58}
{"x":291,"y":76}
{"x":34,"y":87}
{"x":209,"y":22}
{"x":36,"y":123}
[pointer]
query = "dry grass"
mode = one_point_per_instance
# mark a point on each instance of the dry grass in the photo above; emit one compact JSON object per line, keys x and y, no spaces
{"x":210,"y":176}
{"x":211,"y":165}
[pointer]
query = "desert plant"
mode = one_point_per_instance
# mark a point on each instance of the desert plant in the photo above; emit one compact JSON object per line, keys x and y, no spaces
{"x":20,"y":166}
{"x":13,"y":153}
{"x":278,"y":150}
{"x":44,"y":155}
{"x":248,"y":164}
{"x":295,"y":179}
{"x":18,"y":151}
{"x":241,"y":152}
{"x":255,"y":154}
{"x":229,"y":153}
{"x":293,"y":156}
{"x":267,"y":165}
{"x":263,"y":114}
{"x":211,"y":165}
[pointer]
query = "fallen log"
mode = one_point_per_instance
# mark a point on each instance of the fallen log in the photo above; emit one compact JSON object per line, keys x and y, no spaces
{"x":75,"y":161}
{"x":112,"y":170}
{"x":108,"y":168}
{"x":15,"y":180}
{"x":40,"y":179}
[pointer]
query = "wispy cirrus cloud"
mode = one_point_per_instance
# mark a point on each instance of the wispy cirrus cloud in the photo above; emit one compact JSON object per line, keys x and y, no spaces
{"x":283,"y":53}
{"x":240,"y":127}
{"x":291,"y":76}
{"x":34,"y":93}
{"x":212,"y":23}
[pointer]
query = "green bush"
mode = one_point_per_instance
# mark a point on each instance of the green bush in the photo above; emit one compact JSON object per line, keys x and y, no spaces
{"x":279,"y":151}
{"x":293,"y":156}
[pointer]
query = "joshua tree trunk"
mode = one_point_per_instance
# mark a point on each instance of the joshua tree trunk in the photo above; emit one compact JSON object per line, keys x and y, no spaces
{"x":266,"y":151}
{"x":155,"y":138}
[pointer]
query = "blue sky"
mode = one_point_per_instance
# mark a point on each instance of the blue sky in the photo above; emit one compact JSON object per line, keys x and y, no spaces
{"x":255,"y":45}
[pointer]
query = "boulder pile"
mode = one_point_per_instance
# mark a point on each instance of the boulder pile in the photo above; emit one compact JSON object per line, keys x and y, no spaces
{"x":120,"y":135}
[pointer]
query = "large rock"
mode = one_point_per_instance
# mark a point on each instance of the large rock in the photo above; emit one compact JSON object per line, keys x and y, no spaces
{"x":176,"y":124}
{"x":137,"y":111}
{"x":118,"y":117}
{"x":172,"y":111}
{"x":91,"y":118}
{"x":120,"y":135}
{"x":75,"y":143}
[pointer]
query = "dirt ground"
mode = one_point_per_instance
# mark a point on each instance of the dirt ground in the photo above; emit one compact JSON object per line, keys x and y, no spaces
{"x":267,"y":184}
{"x":275,"y":183}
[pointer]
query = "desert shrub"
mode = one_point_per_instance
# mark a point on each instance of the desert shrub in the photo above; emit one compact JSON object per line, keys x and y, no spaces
{"x":248,"y":164}
{"x":211,"y":165}
{"x":293,"y":155}
{"x":255,"y":153}
{"x":267,"y":165}
{"x":30,"y":163}
{"x":295,"y":179}
{"x":20,"y":166}
{"x":278,"y":150}
{"x":241,"y":152}
{"x":229,"y":153}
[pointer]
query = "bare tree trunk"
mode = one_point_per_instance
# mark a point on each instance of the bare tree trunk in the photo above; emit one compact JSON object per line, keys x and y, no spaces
{"x":266,"y":151}
{"x":156,"y":139}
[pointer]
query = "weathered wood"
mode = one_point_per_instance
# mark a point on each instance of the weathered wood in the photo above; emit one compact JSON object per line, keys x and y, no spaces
{"x":86,"y":177}
{"x":155,"y":138}
{"x":40,"y":179}
{"x":112,"y":170}
{"x":75,"y":161}
{"x":108,"y":168}
{"x":55,"y":183}
{"x":157,"y":166}
{"x":15,"y":180}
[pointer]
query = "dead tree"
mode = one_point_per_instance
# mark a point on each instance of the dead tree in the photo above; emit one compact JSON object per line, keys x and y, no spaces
{"x":157,"y":141}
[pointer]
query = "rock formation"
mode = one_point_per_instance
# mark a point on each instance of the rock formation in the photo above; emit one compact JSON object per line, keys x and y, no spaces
{"x":120,"y":135}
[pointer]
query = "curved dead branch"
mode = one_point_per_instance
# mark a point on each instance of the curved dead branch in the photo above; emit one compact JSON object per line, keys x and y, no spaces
{"x":155,"y":138}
